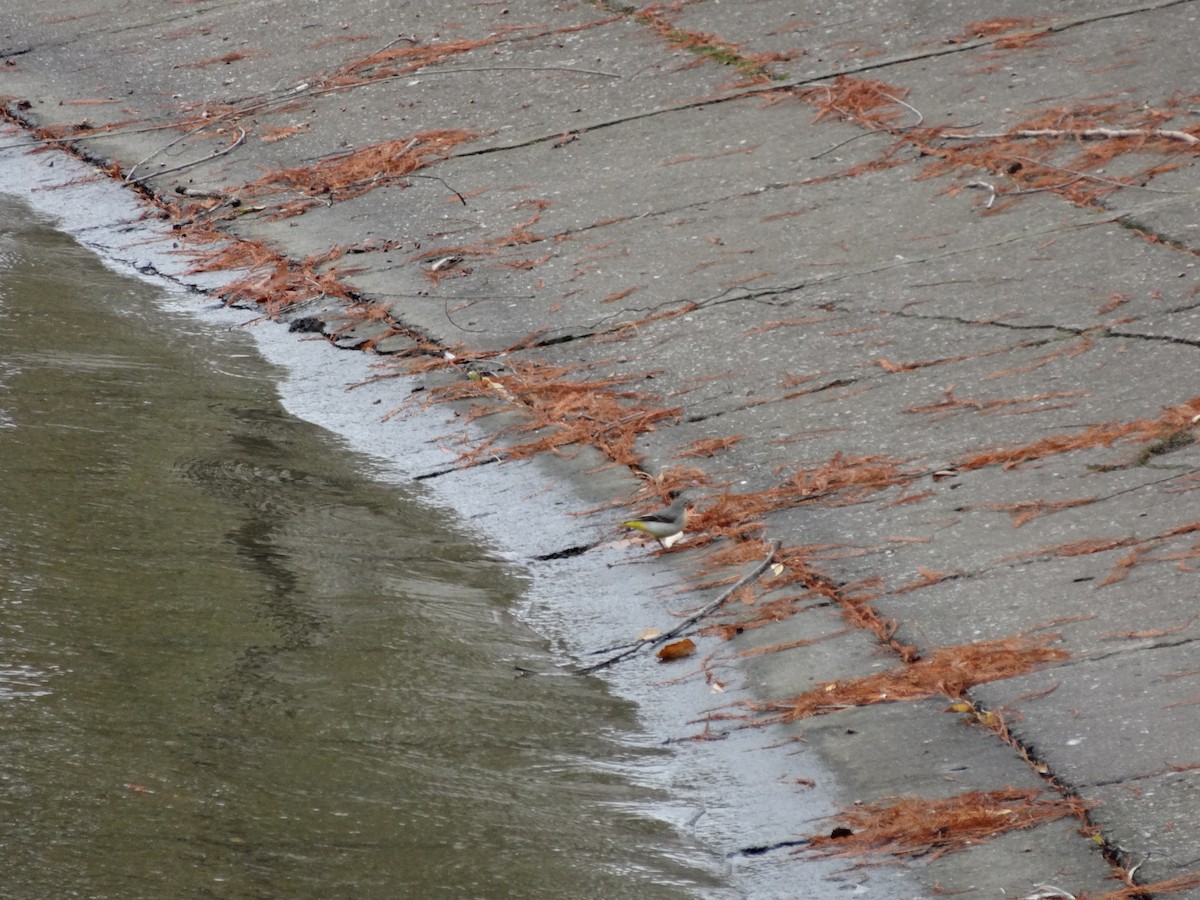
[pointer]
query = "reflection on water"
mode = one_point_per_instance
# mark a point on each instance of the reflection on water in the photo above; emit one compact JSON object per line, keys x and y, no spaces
{"x":231,"y":665}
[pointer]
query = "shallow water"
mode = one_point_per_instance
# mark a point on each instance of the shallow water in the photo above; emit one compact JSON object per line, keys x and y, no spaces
{"x":234,"y":664}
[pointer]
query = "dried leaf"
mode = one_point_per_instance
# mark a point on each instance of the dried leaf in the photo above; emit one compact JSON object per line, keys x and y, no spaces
{"x":677,"y":650}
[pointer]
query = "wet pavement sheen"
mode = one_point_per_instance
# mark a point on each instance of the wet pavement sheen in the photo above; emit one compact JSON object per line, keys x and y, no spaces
{"x":232,"y":664}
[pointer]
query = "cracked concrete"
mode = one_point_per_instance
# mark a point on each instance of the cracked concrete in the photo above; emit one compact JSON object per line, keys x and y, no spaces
{"x":801,"y":274}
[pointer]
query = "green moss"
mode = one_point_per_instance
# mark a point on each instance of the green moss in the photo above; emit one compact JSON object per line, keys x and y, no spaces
{"x":1168,"y":443}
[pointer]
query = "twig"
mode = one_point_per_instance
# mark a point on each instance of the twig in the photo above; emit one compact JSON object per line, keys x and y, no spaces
{"x":920,"y":116}
{"x":1050,"y":187}
{"x":450,"y":319}
{"x":256,"y":106}
{"x":984,"y":186}
{"x":184,"y":191}
{"x":99,"y":131}
{"x":92,"y":134}
{"x":691,"y":620}
{"x":1048,"y":892}
{"x":853,"y":118}
{"x":614,"y":647}
{"x":238,"y":141}
{"x":1083,"y":134}
{"x":1099,"y":178}
{"x":412,"y":39}
{"x":379,"y":178}
{"x":572,"y":69}
{"x":845,"y":142}
{"x":1078,"y":176}
{"x":444,"y":184}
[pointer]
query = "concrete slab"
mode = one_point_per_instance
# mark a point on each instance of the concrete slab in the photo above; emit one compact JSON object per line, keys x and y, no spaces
{"x":865,"y":743}
{"x":646,"y":198}
{"x":1151,"y":820}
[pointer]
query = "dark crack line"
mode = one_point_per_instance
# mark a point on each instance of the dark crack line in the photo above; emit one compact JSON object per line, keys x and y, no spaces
{"x":1101,"y":331}
{"x":761,"y":849}
{"x":1034,"y":234}
{"x":1137,"y":487}
{"x":704,"y":417}
{"x":565,"y":553}
{"x":1054,"y":28}
{"x":875,"y":65}
{"x":1163,"y":338}
{"x":765,"y":293}
{"x":450,"y":470}
{"x":1133,"y":776}
{"x":1125,"y":651}
{"x":1074,"y":331}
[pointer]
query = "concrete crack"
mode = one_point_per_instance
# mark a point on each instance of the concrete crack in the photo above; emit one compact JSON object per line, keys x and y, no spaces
{"x":760,"y":849}
{"x":1074,"y":330}
{"x":704,"y":417}
{"x":1165,"y":338}
{"x":565,"y":553}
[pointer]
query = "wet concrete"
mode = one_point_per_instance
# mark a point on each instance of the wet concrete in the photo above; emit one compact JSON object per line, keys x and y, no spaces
{"x":731,"y":826}
{"x":237,"y":661}
{"x":789,"y":267}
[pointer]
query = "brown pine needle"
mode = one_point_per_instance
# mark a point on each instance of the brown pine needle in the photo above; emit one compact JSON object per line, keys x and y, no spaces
{"x":1156,"y":889}
{"x":1103,"y":435}
{"x":928,"y":577}
{"x":707,"y":447}
{"x":1026,"y":510}
{"x":359,"y":171}
{"x":949,"y":672}
{"x":912,"y":827}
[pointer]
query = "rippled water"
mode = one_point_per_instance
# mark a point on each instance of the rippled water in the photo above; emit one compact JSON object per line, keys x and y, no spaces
{"x":232,"y":664}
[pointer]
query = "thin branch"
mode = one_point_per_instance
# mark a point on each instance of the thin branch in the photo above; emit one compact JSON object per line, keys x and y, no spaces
{"x":103,"y":132}
{"x":571,"y":69}
{"x":238,"y":141}
{"x":845,"y":142}
{"x":209,"y":123}
{"x":100,"y":131}
{"x":444,"y":184}
{"x":450,"y":319}
{"x":412,"y":39}
{"x":1099,"y":178}
{"x":1083,"y":134}
{"x":1061,"y":186}
{"x":691,"y":620}
{"x":984,"y":186}
{"x":916,"y":112}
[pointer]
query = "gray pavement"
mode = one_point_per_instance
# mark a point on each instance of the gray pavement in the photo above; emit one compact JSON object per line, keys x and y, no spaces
{"x":758,"y":213}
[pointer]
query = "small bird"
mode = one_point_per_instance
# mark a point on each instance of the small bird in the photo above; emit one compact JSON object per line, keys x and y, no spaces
{"x":666,"y":525}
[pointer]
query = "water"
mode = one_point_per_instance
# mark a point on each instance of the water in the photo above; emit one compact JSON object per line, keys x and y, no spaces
{"x":234,"y":664}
